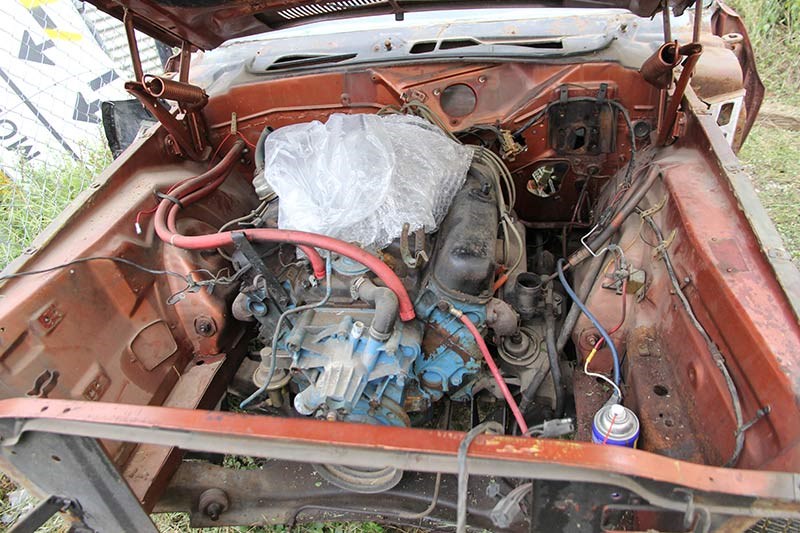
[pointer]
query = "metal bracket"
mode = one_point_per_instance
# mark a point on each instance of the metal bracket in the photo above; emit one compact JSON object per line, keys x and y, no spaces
{"x":77,"y":466}
{"x":420,"y":256}
{"x":44,"y":510}
{"x":245,"y":253}
{"x":602,"y":94}
{"x":563,"y":94}
{"x":44,"y":384}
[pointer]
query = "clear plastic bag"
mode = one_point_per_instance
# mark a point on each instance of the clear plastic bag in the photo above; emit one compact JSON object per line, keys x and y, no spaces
{"x":360,"y":177}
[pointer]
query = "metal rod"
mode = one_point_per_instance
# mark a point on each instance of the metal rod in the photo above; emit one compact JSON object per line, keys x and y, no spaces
{"x":667,"y":24}
{"x":186,"y":60}
{"x":698,"y":20}
{"x":554,"y":225}
{"x":692,"y":52}
{"x":133,"y":46}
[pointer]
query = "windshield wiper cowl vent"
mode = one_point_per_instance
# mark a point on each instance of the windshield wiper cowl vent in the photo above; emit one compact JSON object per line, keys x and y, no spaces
{"x":424,"y":47}
{"x":307,"y":60}
{"x":315,"y":10}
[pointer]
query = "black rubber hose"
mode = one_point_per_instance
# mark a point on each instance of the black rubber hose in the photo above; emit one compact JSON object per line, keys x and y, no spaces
{"x":636,"y":196}
{"x":385,"y":302}
{"x":530,"y":392}
{"x":552,"y":356}
{"x":583,"y":293}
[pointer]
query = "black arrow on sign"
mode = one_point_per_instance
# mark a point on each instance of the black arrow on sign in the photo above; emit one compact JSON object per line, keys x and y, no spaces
{"x":31,"y":51}
{"x":41,"y":18}
{"x":44,"y":122}
{"x":85,"y":111}
{"x":103,"y":79}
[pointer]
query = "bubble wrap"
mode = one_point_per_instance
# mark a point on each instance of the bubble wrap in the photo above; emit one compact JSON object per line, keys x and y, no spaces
{"x":359,"y":178}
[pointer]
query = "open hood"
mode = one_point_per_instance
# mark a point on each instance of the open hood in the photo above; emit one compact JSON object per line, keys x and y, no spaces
{"x":207,"y":23}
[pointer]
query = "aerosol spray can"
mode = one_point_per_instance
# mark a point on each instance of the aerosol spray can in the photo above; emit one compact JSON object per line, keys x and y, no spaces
{"x":615,"y":424}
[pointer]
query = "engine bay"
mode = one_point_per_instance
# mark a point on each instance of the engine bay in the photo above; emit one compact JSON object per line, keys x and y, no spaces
{"x":393,"y":318}
{"x":505,"y":247}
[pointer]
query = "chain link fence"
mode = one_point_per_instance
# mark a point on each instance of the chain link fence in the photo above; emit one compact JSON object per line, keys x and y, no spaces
{"x":59,"y":59}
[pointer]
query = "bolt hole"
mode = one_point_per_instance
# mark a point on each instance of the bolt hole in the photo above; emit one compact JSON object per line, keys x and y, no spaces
{"x":55,"y":458}
{"x":669,"y":422}
{"x":660,"y":390}
{"x":199,"y":362}
{"x":660,"y":415}
{"x":67,"y":410}
{"x":43,"y":409}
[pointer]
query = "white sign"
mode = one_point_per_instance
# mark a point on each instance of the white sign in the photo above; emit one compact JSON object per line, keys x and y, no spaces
{"x":53,"y":76}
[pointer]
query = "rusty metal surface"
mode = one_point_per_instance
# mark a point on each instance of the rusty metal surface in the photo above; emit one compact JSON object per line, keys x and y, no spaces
{"x":86,"y":322}
{"x":201,"y":385}
{"x":657,"y":69}
{"x":506,"y":93}
{"x":47,"y":319}
{"x":667,"y":132}
{"x":724,"y":21}
{"x":412,"y":449}
{"x":732,"y":289}
{"x":209,"y":24}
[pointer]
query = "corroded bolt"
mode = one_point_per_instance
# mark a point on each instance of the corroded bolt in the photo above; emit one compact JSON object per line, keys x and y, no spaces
{"x":213,"y":502}
{"x":205,"y":326}
{"x":214,"y":510}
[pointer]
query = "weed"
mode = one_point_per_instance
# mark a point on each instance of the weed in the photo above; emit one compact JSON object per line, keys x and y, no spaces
{"x":39,"y":192}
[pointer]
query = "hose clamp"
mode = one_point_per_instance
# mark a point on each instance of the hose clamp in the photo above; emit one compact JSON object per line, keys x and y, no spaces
{"x":355,"y":286}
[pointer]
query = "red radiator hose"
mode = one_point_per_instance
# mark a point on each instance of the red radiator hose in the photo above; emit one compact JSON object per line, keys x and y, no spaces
{"x":194,"y":190}
{"x":512,"y":404}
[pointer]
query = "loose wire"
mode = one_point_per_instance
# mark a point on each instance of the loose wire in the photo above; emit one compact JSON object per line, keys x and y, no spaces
{"x":463,"y":473}
{"x":192,"y":285}
{"x":716,"y":355}
{"x":560,"y":271}
{"x":80,"y":260}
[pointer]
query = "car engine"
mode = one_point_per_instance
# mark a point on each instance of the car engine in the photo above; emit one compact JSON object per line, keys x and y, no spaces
{"x":336,"y":348}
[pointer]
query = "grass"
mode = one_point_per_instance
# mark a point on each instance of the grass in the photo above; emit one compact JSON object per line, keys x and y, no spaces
{"x":772,"y":153}
{"x":773,"y":158}
{"x":38,"y":193}
{"x":774,"y":30}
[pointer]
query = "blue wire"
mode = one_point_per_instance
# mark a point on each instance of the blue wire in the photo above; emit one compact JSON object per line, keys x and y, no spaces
{"x":590,"y":316}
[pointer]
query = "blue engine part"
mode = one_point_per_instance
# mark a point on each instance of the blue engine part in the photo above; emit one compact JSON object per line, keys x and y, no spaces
{"x":455,"y":355}
{"x":347,"y":370}
{"x":461,"y":273}
{"x":341,"y":369}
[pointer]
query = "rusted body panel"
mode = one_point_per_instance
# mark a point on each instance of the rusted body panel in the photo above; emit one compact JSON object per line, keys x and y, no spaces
{"x":363,"y":444}
{"x":108,"y":351}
